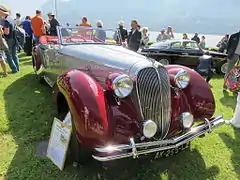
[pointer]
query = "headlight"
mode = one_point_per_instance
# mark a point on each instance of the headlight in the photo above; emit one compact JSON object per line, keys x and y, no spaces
{"x":182,"y":79}
{"x":122,"y":86}
{"x":186,"y":120}
{"x":149,"y":129}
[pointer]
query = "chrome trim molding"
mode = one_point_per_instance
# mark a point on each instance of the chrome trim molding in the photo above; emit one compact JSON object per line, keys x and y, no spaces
{"x":134,"y":149}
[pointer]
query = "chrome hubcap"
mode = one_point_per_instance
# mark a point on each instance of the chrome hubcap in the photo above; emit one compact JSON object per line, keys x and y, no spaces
{"x":224,"y":68}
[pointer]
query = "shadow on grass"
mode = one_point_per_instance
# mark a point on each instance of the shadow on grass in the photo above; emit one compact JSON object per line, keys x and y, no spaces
{"x":30,"y":114}
{"x":229,"y":101}
{"x":22,"y":57}
{"x":233,"y":144}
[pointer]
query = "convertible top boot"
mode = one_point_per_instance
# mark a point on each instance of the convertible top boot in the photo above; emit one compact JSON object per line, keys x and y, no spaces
{"x":236,"y":117}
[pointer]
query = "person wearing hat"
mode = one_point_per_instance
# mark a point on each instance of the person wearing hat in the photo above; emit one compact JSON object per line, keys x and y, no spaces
{"x":162,"y":35}
{"x":100,"y":33}
{"x":123,"y":32}
{"x":53,"y":24}
{"x":8,"y":34}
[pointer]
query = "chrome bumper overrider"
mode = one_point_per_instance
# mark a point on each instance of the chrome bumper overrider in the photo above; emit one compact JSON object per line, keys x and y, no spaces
{"x":115,"y":152}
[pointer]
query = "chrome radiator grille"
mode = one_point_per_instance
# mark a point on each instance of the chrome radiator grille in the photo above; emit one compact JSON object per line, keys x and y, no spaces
{"x":153,"y":89}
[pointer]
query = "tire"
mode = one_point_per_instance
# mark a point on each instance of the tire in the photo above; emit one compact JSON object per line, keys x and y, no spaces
{"x":76,"y":154}
{"x":222,"y":67}
{"x":164,"y":61}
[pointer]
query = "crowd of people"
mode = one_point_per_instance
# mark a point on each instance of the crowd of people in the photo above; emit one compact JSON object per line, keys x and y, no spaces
{"x":138,"y":37}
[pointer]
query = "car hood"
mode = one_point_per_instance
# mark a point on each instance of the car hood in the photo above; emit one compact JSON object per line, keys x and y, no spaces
{"x":108,"y":55}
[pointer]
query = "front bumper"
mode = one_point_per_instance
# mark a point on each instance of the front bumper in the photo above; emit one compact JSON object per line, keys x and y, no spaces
{"x":116,"y":152}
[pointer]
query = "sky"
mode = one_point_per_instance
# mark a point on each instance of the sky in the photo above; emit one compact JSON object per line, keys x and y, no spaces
{"x":25,"y":7}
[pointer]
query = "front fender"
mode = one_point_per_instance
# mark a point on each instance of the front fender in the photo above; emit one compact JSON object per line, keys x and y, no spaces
{"x":86,"y":102}
{"x":198,"y":93}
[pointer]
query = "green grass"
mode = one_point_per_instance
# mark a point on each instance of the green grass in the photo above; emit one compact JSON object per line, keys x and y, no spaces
{"x":26,"y":114}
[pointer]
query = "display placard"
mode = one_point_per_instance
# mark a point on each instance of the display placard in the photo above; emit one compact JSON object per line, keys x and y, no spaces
{"x":59,"y":142}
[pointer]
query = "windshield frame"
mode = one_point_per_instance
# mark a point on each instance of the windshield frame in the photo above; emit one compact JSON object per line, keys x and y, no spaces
{"x":62,"y":42}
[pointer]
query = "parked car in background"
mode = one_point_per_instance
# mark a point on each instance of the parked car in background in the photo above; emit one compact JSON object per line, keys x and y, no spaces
{"x":183,"y":52}
{"x":122,"y":104}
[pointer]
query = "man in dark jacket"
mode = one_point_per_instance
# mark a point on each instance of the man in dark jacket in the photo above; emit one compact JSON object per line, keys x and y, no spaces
{"x":134,"y":37}
{"x":26,"y":25}
{"x":196,"y":38}
{"x":233,"y":51}
{"x":53,"y":24}
{"x":205,"y":66}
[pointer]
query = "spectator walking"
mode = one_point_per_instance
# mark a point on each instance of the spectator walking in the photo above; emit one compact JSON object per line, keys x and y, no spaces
{"x":196,"y":38}
{"x":134,"y":37}
{"x":233,"y":51}
{"x":170,"y":34}
{"x":8,"y":33}
{"x":205,"y":66}
{"x":38,"y":26}
{"x":162,"y":36}
{"x":26,"y":24}
{"x":53,"y":24}
{"x":203,"y":42}
{"x":145,"y":37}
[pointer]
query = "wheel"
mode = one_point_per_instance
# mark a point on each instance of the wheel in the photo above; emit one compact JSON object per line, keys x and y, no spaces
{"x":222,"y":67}
{"x":164,"y":61}
{"x":76,"y":153}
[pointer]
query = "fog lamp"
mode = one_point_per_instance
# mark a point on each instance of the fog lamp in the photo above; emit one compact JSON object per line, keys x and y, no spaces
{"x":186,"y":120}
{"x":149,"y":128}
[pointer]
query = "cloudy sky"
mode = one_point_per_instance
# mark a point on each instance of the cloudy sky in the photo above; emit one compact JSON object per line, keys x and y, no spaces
{"x":25,"y":7}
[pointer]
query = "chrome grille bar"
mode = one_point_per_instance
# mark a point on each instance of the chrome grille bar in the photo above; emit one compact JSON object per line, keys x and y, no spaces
{"x":153,"y":89}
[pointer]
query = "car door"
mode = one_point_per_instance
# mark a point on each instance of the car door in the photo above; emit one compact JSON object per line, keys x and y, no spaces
{"x":190,"y":53}
{"x":176,"y":53}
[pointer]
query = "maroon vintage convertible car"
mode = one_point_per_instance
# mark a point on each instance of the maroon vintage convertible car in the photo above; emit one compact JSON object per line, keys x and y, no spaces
{"x":122,"y":104}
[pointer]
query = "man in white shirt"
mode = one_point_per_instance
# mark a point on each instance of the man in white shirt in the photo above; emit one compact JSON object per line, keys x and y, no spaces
{"x":18,"y":20}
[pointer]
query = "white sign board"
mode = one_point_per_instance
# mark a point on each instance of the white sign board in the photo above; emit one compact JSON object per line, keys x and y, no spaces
{"x":58,"y":143}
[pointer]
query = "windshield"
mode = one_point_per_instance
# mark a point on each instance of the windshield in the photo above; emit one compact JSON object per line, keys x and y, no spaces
{"x":83,"y":35}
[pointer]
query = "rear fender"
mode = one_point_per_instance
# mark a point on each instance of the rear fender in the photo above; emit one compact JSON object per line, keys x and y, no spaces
{"x":86,"y":101}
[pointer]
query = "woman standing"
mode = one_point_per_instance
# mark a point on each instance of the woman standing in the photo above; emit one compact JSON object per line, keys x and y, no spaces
{"x":185,"y":36}
{"x":145,"y":37}
{"x":203,"y":42}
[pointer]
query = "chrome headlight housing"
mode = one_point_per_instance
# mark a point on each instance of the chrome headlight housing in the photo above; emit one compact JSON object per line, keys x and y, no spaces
{"x":186,"y":119}
{"x":149,"y":128}
{"x":182,"y":79}
{"x":122,"y":86}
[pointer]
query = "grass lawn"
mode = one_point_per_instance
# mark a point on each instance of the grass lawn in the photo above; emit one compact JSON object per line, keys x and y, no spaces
{"x":26,"y":114}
